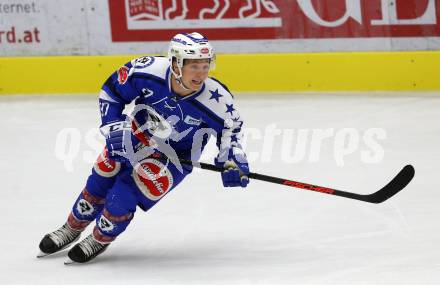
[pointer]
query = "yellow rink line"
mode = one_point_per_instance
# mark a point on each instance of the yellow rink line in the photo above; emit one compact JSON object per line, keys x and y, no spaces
{"x":284,"y":72}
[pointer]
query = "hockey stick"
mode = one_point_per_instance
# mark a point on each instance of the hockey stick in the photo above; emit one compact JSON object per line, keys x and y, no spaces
{"x":392,"y":188}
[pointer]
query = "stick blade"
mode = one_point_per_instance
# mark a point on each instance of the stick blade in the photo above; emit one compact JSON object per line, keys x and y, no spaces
{"x":393,"y":187}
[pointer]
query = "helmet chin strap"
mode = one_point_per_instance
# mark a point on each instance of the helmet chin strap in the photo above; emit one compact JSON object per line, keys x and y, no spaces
{"x":179,"y":78}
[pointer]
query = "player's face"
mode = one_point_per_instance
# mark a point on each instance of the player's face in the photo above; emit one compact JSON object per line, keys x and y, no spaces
{"x":194,"y":73}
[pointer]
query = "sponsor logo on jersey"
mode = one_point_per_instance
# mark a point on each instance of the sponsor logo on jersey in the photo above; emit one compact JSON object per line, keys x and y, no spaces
{"x":105,"y":166}
{"x":123,"y":75}
{"x":153,"y":179}
{"x":192,"y":121}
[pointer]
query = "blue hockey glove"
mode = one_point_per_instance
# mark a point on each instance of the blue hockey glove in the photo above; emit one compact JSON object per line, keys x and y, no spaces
{"x":115,"y":134}
{"x":236,"y":167}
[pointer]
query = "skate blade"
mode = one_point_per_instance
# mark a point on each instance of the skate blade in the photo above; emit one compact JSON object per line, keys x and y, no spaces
{"x":42,"y":254}
{"x":69,"y":261}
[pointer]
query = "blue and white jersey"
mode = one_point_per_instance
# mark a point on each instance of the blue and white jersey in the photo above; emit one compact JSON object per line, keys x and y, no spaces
{"x":147,"y":80}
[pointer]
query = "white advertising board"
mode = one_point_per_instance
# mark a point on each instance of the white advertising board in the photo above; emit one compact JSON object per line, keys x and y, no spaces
{"x":99,"y":27}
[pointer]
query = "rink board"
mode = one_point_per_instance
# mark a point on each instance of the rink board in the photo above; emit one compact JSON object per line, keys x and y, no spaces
{"x":281,"y":72}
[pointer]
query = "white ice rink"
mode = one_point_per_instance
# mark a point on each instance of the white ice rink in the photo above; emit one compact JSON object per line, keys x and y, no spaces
{"x":267,"y":234}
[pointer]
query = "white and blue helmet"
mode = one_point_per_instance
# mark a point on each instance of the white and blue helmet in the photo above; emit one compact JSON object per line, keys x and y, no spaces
{"x":189,"y":46}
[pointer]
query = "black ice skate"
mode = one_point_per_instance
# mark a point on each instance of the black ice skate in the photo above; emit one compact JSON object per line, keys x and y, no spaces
{"x":58,"y":240}
{"x":86,"y":250}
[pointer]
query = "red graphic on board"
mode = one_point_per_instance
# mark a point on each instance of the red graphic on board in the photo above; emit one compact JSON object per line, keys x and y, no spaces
{"x":158,"y":20}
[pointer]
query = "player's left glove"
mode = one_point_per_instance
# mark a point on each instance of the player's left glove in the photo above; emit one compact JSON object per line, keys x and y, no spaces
{"x":235,"y":165}
{"x":115,"y":133}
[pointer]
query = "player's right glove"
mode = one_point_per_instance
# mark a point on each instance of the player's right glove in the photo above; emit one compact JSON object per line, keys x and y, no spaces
{"x":235,"y":165}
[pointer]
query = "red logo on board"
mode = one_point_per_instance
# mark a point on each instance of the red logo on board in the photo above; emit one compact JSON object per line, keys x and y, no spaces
{"x":159,"y":20}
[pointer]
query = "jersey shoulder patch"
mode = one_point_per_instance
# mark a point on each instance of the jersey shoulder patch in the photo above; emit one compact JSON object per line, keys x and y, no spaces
{"x":143,"y":62}
{"x":216,"y":97}
{"x":215,"y":91}
{"x":223,"y":85}
{"x":151,"y":65}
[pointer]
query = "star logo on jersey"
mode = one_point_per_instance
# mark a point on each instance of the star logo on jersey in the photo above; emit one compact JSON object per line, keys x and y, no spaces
{"x":215,"y":95}
{"x":230,"y":109}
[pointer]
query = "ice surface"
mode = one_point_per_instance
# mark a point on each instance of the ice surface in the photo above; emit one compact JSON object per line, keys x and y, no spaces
{"x":266,"y":234}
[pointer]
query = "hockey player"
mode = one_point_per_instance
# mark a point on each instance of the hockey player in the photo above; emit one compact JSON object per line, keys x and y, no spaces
{"x":177,"y":108}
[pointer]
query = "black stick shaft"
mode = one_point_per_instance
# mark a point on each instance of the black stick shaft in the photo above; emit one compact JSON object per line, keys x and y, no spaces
{"x":393,"y":187}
